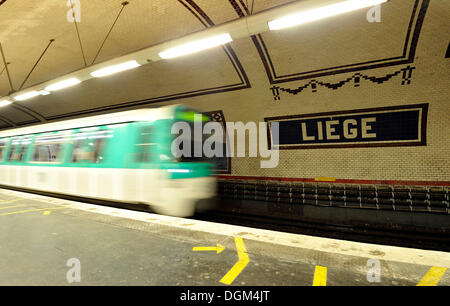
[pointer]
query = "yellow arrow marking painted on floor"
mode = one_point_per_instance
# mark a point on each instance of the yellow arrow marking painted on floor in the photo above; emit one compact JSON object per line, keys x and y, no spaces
{"x":320,"y":276}
{"x":240,"y":265}
{"x":219,"y":248}
{"x":432,"y":277}
{"x":47,"y":212}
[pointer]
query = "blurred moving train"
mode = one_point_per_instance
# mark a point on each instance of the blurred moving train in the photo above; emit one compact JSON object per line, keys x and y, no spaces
{"x":123,"y":157}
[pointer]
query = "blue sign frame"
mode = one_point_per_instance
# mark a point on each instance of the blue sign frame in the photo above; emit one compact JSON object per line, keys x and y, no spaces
{"x":374,"y":127}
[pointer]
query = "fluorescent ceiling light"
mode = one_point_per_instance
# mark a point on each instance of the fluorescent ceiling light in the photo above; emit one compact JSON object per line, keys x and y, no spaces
{"x":44,"y":92}
{"x":26,"y":95}
{"x":196,"y":46}
{"x":4,"y":102}
{"x":114,"y":69}
{"x":63,"y":84}
{"x":321,"y":12}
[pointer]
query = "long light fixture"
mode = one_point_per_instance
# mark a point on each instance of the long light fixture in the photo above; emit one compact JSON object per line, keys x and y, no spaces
{"x":115,"y":68}
{"x":44,"y":92}
{"x":196,"y":46}
{"x":321,"y":13}
{"x":63,"y":84}
{"x":27,"y":95}
{"x":4,"y":102}
{"x":292,"y":14}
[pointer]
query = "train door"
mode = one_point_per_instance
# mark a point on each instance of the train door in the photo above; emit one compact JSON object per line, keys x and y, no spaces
{"x":150,"y":178}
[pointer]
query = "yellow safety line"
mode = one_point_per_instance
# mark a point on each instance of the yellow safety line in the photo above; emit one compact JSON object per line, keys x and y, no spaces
{"x":10,"y":201}
{"x":219,"y":248}
{"x":320,"y":276}
{"x":240,"y":265}
{"x":12,"y":206}
{"x":31,"y":210}
{"x":432,"y":277}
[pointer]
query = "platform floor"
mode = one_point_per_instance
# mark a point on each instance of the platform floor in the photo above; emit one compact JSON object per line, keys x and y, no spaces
{"x":47,"y":241}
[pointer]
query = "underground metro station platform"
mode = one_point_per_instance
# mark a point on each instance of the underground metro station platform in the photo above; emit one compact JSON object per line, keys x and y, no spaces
{"x":45,"y":240}
{"x":225,"y":151}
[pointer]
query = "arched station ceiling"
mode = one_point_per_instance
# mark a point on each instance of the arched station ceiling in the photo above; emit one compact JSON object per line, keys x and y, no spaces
{"x":335,"y":46}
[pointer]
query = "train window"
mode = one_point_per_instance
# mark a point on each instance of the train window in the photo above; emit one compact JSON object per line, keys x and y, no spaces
{"x":3,"y":146}
{"x":18,"y":149}
{"x":89,"y":147}
{"x":145,"y":145}
{"x":11,"y":152}
{"x":188,"y":153}
{"x":77,"y":152}
{"x":48,"y":148}
{"x":17,"y":152}
{"x":49,"y":152}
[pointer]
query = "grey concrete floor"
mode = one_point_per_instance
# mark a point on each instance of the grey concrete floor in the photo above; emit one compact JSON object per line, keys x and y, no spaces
{"x":38,"y":239}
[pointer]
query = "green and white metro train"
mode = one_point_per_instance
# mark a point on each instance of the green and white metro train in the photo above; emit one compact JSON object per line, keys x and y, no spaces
{"x":123,"y":157}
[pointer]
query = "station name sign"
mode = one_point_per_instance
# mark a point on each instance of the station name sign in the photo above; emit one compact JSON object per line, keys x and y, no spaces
{"x":376,"y":127}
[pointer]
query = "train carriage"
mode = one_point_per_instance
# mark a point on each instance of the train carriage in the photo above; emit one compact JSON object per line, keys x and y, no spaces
{"x":123,"y":157}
